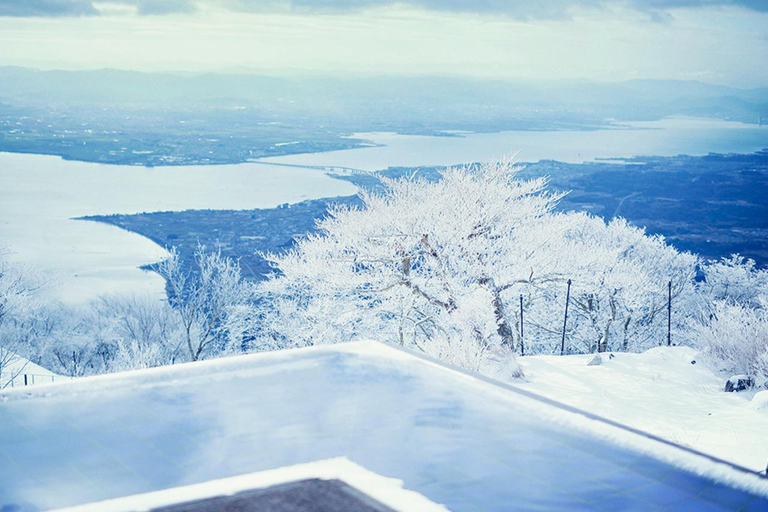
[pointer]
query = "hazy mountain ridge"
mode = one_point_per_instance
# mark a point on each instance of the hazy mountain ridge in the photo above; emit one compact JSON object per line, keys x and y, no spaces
{"x":139,"y":118}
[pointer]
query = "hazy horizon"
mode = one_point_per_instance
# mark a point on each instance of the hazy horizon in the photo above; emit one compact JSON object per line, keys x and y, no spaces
{"x":721,"y":42}
{"x":302,"y":74}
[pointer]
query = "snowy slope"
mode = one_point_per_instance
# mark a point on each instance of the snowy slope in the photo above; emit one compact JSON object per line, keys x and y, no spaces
{"x":661,"y":392}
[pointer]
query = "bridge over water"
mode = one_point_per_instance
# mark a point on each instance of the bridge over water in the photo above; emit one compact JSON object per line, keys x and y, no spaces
{"x":326,"y":168}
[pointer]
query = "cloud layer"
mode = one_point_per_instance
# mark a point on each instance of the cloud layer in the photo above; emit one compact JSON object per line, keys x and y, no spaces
{"x":520,"y":9}
{"x":47,"y":8}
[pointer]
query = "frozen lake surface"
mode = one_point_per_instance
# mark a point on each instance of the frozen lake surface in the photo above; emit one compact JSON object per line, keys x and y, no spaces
{"x":668,"y":137}
{"x":457,"y":439}
{"x":40,"y":196}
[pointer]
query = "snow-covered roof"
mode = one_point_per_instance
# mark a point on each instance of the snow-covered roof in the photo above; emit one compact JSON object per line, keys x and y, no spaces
{"x":456,"y":438}
{"x":372,"y":488}
{"x":20,"y":371}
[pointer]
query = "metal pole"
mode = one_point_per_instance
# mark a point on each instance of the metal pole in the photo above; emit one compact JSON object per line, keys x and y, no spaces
{"x":25,"y":379}
{"x":522,"y":343}
{"x":669,"y":315}
{"x":565,"y":319}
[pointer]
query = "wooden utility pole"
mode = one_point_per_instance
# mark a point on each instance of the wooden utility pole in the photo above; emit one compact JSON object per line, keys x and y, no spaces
{"x":669,"y":314}
{"x":522,"y":343}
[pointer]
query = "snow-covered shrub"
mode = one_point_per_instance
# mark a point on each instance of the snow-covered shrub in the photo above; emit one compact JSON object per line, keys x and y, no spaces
{"x":736,"y":338}
{"x":137,"y":331}
{"x":735,"y":280}
{"x":619,"y":291}
{"x":113,"y":333}
{"x":730,"y":322}
{"x":132,"y":355}
{"x":22,"y":315}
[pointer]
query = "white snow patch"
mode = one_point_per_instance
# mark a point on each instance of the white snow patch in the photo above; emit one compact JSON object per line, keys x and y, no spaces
{"x":663,"y":393}
{"x":760,"y":402}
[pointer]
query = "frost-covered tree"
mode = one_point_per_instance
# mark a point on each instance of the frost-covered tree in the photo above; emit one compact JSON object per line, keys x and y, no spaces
{"x":440,"y":266}
{"x":209,"y":303}
{"x":427,"y":265}
{"x":20,"y":314}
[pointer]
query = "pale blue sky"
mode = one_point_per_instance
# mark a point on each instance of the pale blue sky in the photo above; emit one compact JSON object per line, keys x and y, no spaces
{"x":717,"y":41}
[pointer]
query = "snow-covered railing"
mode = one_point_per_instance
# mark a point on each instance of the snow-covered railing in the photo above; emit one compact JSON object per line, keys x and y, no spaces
{"x":30,"y":379}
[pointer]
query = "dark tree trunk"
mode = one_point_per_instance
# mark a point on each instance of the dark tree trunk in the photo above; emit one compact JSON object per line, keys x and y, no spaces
{"x":502,"y":326}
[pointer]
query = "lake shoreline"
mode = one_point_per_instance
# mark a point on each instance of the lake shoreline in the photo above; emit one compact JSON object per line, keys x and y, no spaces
{"x":45,"y":193}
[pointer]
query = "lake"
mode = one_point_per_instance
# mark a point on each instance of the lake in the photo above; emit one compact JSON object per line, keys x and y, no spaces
{"x":668,"y":137}
{"x":41,"y":195}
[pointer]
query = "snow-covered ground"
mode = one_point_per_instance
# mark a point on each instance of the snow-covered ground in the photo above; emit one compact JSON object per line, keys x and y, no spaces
{"x":41,"y":195}
{"x":661,"y":392}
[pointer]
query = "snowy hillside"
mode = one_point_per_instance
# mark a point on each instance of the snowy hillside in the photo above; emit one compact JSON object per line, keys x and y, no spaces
{"x":664,"y":393}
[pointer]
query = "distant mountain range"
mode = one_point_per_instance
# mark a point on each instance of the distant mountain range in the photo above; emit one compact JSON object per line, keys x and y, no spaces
{"x":164,"y":119}
{"x":451,"y":96}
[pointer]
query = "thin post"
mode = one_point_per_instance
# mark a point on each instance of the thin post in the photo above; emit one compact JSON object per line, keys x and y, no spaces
{"x":25,"y":379}
{"x":565,"y":319}
{"x":522,"y":343}
{"x":669,"y":314}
